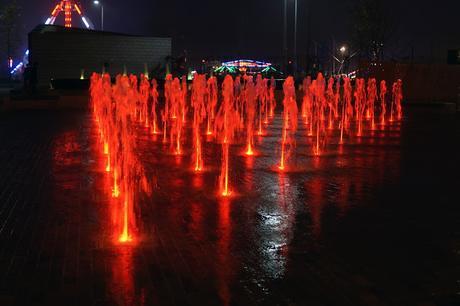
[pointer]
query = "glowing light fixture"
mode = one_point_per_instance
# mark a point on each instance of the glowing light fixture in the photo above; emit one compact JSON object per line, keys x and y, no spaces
{"x":85,"y":22}
{"x":97,"y":2}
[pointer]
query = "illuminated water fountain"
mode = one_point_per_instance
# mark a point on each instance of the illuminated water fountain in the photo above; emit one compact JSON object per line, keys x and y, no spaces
{"x":332,"y":113}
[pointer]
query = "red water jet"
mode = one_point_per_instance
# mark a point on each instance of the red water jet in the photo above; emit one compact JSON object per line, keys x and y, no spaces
{"x":261,"y":98}
{"x":154,"y":94}
{"x":250,"y":112}
{"x":199,"y":114}
{"x":226,"y":124}
{"x":371,"y":97}
{"x":289,"y":121}
{"x":271,"y":95}
{"x":383,"y":108}
{"x":211,"y":103}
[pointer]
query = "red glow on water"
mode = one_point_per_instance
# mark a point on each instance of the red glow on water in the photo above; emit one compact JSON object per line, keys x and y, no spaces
{"x":224,"y":268}
{"x":122,"y":286}
{"x":315,"y":189}
{"x":249,"y":151}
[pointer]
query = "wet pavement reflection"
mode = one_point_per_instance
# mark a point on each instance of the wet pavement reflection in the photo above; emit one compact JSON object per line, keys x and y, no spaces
{"x":373,"y":221}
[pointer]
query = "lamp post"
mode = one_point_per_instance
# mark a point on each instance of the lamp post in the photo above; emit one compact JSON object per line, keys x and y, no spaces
{"x":285,"y":48}
{"x":343,"y":50}
{"x":97,"y":2}
{"x":285,"y":39}
{"x":295,"y":35}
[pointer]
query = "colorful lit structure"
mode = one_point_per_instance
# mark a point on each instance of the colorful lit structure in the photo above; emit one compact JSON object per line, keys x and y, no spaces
{"x":245,"y":66}
{"x":68,"y":7}
{"x":245,"y":63}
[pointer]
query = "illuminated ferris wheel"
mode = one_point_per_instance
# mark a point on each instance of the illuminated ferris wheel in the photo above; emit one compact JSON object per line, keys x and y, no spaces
{"x":68,"y":8}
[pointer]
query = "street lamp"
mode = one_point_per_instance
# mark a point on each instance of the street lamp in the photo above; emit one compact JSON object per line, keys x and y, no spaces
{"x":285,"y":24}
{"x":97,"y":2}
{"x":295,"y":35}
{"x":343,"y":50}
{"x":285,"y":48}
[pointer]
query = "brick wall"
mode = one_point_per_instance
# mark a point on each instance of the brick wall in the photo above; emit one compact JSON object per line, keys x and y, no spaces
{"x":64,"y":53}
{"x":421,"y":82}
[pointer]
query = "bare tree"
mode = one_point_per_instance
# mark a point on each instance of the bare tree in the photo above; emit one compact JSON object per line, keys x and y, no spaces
{"x":372,"y":27}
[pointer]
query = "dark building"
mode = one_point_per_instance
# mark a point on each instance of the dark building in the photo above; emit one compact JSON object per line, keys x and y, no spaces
{"x":63,"y":53}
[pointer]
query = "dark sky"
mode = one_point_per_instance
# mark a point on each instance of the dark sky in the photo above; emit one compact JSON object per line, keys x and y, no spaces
{"x":253,"y":28}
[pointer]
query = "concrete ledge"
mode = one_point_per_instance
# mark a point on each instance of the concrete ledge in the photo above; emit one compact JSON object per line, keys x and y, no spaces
{"x":57,"y":102}
{"x":447,"y":106}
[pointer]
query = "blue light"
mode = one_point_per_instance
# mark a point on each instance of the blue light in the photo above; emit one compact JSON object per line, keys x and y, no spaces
{"x":21,"y":64}
{"x":18,"y":66}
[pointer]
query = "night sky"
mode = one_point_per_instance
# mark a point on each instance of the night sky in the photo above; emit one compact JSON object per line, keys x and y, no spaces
{"x":253,"y":28}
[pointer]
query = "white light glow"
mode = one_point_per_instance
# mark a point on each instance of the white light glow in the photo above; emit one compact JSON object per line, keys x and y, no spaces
{"x":85,"y":22}
{"x":19,"y":66}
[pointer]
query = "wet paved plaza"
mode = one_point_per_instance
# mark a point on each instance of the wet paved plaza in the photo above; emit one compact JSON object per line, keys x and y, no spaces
{"x":373,"y":222}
